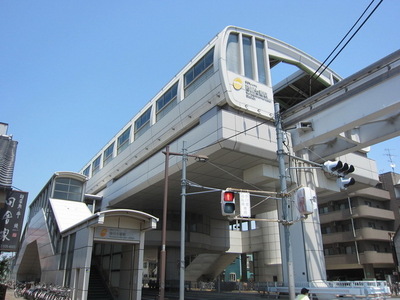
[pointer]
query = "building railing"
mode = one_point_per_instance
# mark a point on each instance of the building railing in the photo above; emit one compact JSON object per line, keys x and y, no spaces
{"x":320,"y":289}
{"x":331,"y":289}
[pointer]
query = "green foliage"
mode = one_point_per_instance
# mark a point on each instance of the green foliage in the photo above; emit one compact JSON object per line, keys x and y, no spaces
{"x":4,"y":267}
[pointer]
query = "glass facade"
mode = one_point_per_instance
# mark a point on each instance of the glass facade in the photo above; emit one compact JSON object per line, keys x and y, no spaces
{"x":68,"y":189}
{"x":252,"y":56}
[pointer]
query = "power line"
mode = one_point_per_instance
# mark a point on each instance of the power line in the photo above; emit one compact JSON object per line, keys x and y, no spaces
{"x":358,"y":29}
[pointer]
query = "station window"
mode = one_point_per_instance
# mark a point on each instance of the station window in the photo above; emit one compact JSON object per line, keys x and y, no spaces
{"x":68,"y":189}
{"x":248,"y":57}
{"x":123,"y":140}
{"x":96,"y":165}
{"x":142,"y":123}
{"x":70,"y":257}
{"x":108,"y":154}
{"x":63,"y":253}
{"x":261,"y":67}
{"x":199,"y":73}
{"x":232,"y":53}
{"x":234,"y":57}
{"x":167,"y":101}
{"x":86,"y":172}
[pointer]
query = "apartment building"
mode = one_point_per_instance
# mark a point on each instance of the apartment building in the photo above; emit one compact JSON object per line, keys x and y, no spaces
{"x":357,"y":229}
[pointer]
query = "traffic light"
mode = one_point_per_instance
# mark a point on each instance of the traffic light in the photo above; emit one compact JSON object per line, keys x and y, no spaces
{"x":343,"y":183}
{"x":228,"y":203}
{"x":338,"y":168}
{"x":341,"y":170}
{"x":332,"y":166}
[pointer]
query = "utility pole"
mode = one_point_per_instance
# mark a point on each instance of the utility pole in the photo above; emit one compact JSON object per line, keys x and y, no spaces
{"x":164,"y":228}
{"x":185,"y":155}
{"x":183,"y":224}
{"x":286,"y":208}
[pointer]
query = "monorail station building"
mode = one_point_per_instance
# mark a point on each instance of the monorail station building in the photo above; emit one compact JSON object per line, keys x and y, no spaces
{"x":214,"y":127}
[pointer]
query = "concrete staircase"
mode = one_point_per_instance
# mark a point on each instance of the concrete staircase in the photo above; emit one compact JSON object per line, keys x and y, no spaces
{"x":97,"y":288}
{"x":208,"y":266}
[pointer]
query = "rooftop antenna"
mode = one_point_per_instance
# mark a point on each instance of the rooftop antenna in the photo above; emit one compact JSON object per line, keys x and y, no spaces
{"x":388,"y":154}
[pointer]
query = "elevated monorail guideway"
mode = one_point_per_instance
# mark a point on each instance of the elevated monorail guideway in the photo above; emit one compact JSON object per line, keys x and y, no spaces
{"x":357,"y":112}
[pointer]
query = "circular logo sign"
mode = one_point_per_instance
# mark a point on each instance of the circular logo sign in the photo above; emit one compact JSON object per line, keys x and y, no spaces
{"x":237,"y":83}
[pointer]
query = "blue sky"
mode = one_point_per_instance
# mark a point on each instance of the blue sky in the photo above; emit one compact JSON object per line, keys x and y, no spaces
{"x":73,"y":73}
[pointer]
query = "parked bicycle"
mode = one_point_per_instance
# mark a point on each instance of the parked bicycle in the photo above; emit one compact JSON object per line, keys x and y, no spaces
{"x":30,"y":291}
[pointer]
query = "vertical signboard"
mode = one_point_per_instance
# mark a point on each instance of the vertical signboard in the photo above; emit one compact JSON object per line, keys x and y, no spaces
{"x":245,"y":208}
{"x":11,"y":220}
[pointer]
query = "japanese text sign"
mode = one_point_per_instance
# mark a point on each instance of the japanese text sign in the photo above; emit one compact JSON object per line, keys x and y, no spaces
{"x":11,"y":220}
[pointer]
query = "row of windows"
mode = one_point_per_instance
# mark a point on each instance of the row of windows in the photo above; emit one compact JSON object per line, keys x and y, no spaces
{"x":245,"y":55}
{"x":64,"y":188}
{"x":199,"y":73}
{"x":340,"y":249}
{"x":66,"y":257}
{"x":68,"y":189}
{"x":249,"y":51}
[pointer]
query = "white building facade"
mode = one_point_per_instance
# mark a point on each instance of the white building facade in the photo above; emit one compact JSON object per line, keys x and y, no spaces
{"x":221,"y":105}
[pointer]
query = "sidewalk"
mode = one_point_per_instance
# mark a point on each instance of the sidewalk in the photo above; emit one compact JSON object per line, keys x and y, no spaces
{"x":10,"y":295}
{"x":198,"y":296}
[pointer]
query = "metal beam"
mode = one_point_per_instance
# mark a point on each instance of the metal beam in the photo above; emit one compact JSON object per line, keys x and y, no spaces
{"x":360,"y":111}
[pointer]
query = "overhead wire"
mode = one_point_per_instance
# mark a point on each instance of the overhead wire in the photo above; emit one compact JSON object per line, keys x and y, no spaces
{"x":348,"y":41}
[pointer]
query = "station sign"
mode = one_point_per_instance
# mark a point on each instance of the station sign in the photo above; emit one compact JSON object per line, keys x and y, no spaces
{"x":117,"y":234}
{"x":251,"y":96}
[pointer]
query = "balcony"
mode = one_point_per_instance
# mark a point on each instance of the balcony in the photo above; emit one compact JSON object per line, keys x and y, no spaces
{"x":337,"y":215}
{"x":339,"y":261}
{"x":365,"y":211}
{"x":362,"y":211}
{"x":361,"y":234}
{"x":373,"y":257}
{"x":336,"y":237}
{"x":372,"y":234}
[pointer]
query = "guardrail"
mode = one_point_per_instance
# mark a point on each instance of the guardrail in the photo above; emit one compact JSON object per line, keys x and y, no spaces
{"x":332,"y":289}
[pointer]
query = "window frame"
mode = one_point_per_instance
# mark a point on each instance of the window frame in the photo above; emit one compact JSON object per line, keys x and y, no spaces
{"x":142,"y":124}
{"x":108,"y":154}
{"x":123,"y":140}
{"x":167,"y":99}
{"x":96,"y":165}
{"x":86,"y":171}
{"x":201,"y":67}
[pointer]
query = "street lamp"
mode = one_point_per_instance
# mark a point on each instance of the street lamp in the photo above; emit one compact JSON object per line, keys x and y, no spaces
{"x":199,"y":158}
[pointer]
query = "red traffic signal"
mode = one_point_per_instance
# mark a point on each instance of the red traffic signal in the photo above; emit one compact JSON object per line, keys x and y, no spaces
{"x":228,"y":203}
{"x":228,"y":196}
